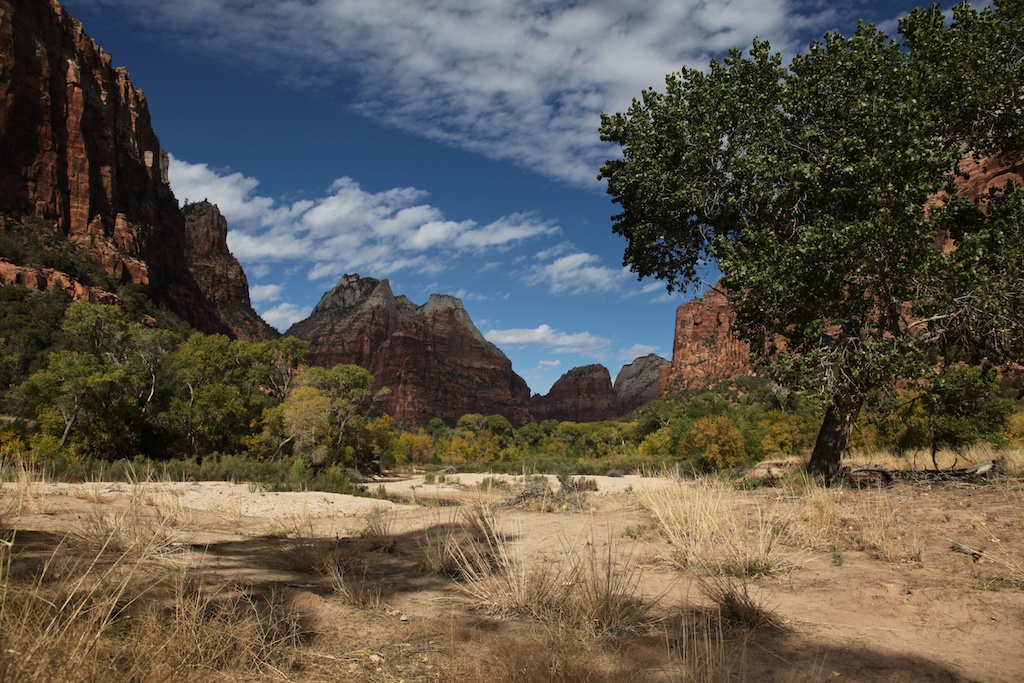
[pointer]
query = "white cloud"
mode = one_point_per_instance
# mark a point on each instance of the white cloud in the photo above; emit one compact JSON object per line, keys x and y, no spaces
{"x":550,"y":364}
{"x":231,"y":192}
{"x":259,"y":293}
{"x":285,"y":314}
{"x":349,"y":229}
{"x":523,"y":81}
{"x":578,"y":273}
{"x":548,"y":337}
{"x":635,"y":351}
{"x":557,"y":250}
{"x":465,"y":295}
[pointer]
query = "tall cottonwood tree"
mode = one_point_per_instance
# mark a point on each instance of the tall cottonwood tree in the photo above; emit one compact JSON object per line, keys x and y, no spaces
{"x":322,"y":411}
{"x":825,"y":192}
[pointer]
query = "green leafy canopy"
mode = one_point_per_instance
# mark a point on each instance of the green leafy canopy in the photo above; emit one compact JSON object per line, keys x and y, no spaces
{"x":825,"y":191}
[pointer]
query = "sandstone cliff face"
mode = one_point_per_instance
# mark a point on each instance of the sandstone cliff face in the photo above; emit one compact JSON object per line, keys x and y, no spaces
{"x":705,"y":350}
{"x":638,"y":382}
{"x":45,"y":279}
{"x":218,"y":275}
{"x":583,"y":394}
{"x":352,"y":321}
{"x":79,"y":150}
{"x":586,"y":394}
{"x":432,"y":357}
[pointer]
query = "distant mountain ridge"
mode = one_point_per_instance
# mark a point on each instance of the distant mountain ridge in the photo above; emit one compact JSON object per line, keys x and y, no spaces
{"x":432,"y":357}
{"x":586,"y":394}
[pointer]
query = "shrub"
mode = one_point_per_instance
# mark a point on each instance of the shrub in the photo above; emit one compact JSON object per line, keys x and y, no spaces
{"x":719,"y":440}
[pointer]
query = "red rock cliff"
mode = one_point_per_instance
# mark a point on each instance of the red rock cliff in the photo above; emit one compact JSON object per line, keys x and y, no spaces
{"x":432,"y":357}
{"x":218,"y":275}
{"x":77,"y":148}
{"x":705,"y":350}
{"x":583,"y":394}
{"x":586,"y":394}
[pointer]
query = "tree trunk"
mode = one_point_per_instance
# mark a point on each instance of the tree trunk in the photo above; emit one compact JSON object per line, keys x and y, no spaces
{"x":833,"y":438}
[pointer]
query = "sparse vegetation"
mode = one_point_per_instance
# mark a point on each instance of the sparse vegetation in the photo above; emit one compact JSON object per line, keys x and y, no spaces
{"x":111,"y":616}
{"x":710,"y":532}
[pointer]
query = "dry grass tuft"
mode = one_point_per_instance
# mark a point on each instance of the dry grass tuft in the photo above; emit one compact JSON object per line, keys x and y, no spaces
{"x":701,"y":653}
{"x":379,"y":529}
{"x":1011,"y":462}
{"x":712,"y":532}
{"x":820,"y":519}
{"x":737,"y":603}
{"x":469,"y":545}
{"x":884,"y":532}
{"x":128,"y":617}
{"x":587,"y":590}
{"x":356,"y":588}
{"x":23,"y":495}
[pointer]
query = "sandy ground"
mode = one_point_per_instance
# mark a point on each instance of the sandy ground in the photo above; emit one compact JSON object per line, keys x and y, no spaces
{"x":845,"y":614}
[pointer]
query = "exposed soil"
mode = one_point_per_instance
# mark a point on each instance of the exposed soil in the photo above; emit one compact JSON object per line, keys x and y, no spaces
{"x":952,"y":611}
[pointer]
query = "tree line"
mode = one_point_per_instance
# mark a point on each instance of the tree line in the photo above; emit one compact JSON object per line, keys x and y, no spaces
{"x":85,"y":383}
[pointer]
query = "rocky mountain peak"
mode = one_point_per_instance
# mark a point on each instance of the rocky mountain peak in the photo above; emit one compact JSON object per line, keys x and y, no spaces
{"x":444,"y":303}
{"x":432,"y":357}
{"x":638,"y":382}
{"x":586,"y":394}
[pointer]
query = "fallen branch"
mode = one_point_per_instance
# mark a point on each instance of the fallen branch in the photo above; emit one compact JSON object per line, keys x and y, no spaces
{"x":981,"y":470}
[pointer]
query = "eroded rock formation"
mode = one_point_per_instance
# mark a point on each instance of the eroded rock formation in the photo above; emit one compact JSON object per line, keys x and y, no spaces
{"x":583,"y":394}
{"x":432,"y":357}
{"x":586,"y":394}
{"x":705,"y":351}
{"x":218,"y":275}
{"x":79,"y":151}
{"x":45,"y":279}
{"x":638,"y":382}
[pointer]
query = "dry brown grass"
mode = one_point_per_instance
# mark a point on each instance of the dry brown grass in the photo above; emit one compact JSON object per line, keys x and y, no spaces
{"x":470,"y":543}
{"x":883,"y":530}
{"x":1010,"y":460}
{"x":378,"y":529}
{"x":126,"y":617}
{"x":549,"y":655}
{"x":585,"y":588}
{"x":712,"y":532}
{"x":994,"y":548}
{"x":701,"y":652}
{"x":819,"y":519}
{"x":738,"y":603}
{"x":23,"y":490}
{"x":150,"y":522}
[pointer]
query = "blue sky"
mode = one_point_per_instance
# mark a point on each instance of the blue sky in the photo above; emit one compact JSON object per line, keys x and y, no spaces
{"x":450,"y":146}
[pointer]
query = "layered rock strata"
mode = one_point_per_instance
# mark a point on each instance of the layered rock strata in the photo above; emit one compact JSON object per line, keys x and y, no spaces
{"x":432,"y":357}
{"x":705,"y":351}
{"x":586,"y":394}
{"x":79,"y":151}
